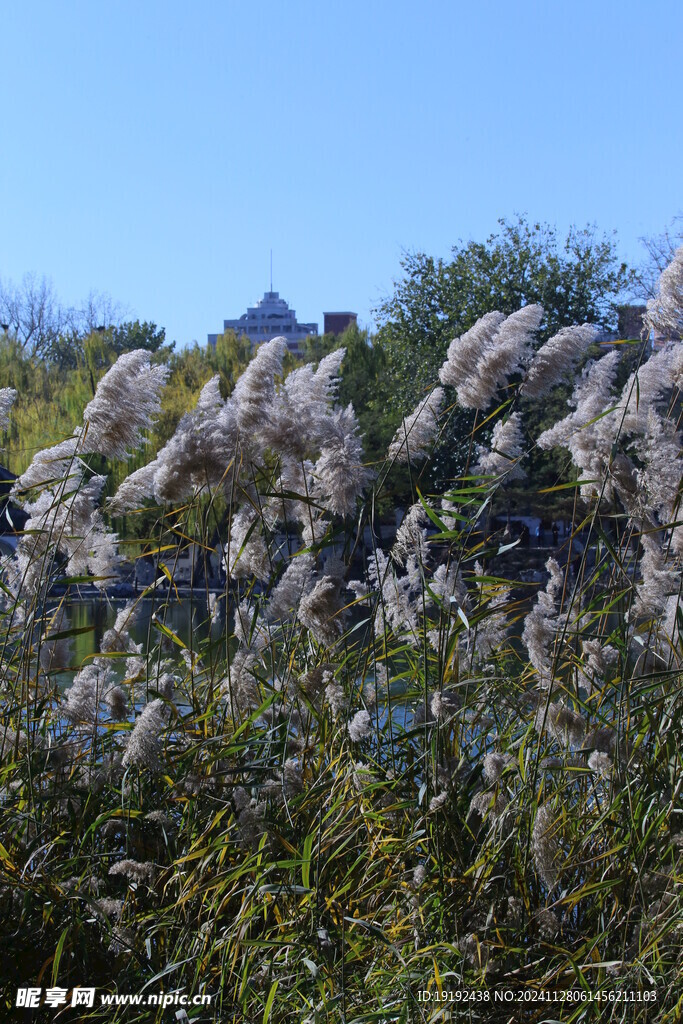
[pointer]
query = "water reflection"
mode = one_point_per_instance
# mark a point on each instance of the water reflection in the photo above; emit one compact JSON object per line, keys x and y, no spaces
{"x":188,"y":619}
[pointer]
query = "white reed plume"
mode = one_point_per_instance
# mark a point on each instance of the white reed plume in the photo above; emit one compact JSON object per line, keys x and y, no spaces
{"x":89,"y":689}
{"x":202,"y":452}
{"x":659,"y":478}
{"x":135,"y":665}
{"x":287,"y":783}
{"x":249,"y":628}
{"x":465,"y":352}
{"x":507,"y":448}
{"x":144,"y":743}
{"x":660,"y":580}
{"x":419,"y":876}
{"x":103,"y":554}
{"x":488,"y":804}
{"x":251,"y":823}
{"x":335,"y":698}
{"x":126,"y":399}
{"x":547,"y":924}
{"x":202,"y":449}
{"x":141,"y":872}
{"x":213,"y":443}
{"x":10,"y":740}
{"x":116,"y":701}
{"x":598,"y":661}
{"x":397,"y":605}
{"x":77,"y":524}
{"x":254,"y":395}
{"x":447,"y":584}
{"x":339,"y":474}
{"x":134,"y":490}
{"x":565,"y":725}
{"x":360,"y":726}
{"x":297,"y":580}
{"x":665,"y":311}
{"x":315,"y":526}
{"x":303,"y":407}
{"x":544,"y":845}
{"x":65,"y":517}
{"x":241,"y":686}
{"x":670,"y":619}
{"x":677,"y":366}
{"x":450,"y":591}
{"x":242,"y":624}
{"x":281,"y":506}
{"x":493,"y":766}
{"x":600,"y":763}
{"x":555,"y":360}
{"x":321,"y":611}
{"x":580,"y":432}
{"x":437,"y":802}
{"x":214,"y":607}
{"x":50,"y":467}
{"x":411,"y":536}
{"x":590,"y":399}
{"x":668,"y":638}
{"x":247,"y":554}
{"x":444,"y":704}
{"x":291,"y":497}
{"x":324,"y":383}
{"x":506,"y":353}
{"x":70,"y":523}
{"x":161,"y":820}
{"x":118,"y":638}
{"x":643,"y":391}
{"x":7,"y":397}
{"x":492,"y":629}
{"x":541,"y":624}
{"x":413,"y":439}
{"x":451,"y":514}
{"x":72,"y":518}
{"x":108,"y":907}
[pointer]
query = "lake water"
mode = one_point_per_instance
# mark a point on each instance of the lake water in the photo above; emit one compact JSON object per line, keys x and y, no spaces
{"x":187,"y":618}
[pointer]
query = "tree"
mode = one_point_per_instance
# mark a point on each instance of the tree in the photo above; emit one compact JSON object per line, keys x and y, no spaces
{"x":577,"y":280}
{"x":32,"y":314}
{"x":100,"y":346}
{"x":661,"y":250}
{"x":229,"y":357}
{"x":132,"y":334}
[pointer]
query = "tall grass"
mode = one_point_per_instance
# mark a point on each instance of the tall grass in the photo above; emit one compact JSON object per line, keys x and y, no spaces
{"x":386,"y":769}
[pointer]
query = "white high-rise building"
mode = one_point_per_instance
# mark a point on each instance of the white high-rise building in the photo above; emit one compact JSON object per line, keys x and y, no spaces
{"x":269,"y":318}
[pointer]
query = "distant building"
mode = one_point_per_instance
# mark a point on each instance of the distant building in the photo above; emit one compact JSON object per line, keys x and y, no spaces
{"x":269,"y":318}
{"x":629,"y":326}
{"x":631,"y":321}
{"x":336,"y":323}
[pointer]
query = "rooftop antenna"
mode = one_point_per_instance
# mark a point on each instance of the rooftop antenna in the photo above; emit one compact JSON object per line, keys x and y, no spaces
{"x":271,"y":270}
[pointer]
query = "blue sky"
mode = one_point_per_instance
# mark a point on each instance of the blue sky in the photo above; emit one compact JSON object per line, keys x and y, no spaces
{"x":157,"y":151}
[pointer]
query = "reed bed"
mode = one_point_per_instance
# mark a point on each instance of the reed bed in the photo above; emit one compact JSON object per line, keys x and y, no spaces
{"x":388,"y":782}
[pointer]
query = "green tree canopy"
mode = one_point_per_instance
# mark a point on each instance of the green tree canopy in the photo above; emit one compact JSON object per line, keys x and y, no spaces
{"x":576,"y":280}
